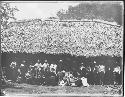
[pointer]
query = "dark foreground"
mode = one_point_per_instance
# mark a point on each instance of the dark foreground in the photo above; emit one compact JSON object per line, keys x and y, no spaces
{"x":23,"y":90}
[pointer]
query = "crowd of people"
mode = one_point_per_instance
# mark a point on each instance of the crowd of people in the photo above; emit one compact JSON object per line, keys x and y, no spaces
{"x":46,"y":73}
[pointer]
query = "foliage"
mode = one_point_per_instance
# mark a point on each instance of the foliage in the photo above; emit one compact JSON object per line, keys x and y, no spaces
{"x":80,"y":38}
{"x":6,"y":13}
{"x":106,"y":11}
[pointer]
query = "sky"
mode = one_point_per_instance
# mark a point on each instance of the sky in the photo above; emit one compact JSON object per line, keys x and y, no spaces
{"x":42,"y":10}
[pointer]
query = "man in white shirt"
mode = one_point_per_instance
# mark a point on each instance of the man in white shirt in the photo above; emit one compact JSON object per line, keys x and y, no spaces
{"x":38,"y":66}
{"x":53,"y":68}
{"x":13,"y":64}
{"x":45,"y":65}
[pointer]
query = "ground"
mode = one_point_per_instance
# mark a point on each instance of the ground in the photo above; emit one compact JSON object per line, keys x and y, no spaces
{"x":23,"y":90}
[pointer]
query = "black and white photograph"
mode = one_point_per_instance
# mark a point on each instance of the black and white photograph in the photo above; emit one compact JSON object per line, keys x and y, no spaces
{"x":62,"y":48}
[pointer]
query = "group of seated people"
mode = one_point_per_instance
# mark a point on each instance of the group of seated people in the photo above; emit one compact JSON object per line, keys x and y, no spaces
{"x":50,"y":74}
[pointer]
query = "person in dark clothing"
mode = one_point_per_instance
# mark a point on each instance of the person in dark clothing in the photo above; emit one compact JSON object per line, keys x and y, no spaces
{"x":112,"y":77}
{"x":83,"y":71}
{"x":60,"y":75}
{"x":78,"y":83}
{"x":60,"y":66}
{"x":97,"y":79}
{"x":117,"y":72}
{"x":2,"y":93}
{"x":118,"y":78}
{"x":101,"y":78}
{"x":95,"y":76}
{"x":101,"y":73}
{"x":51,"y":80}
{"x":75,"y":74}
{"x":90,"y":78}
{"x":13,"y":71}
{"x":108,"y":77}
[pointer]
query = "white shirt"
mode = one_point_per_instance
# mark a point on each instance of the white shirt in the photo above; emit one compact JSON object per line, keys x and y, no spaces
{"x":38,"y":65}
{"x":45,"y":65}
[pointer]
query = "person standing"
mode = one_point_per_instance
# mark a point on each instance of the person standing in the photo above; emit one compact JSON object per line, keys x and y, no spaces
{"x":60,"y":66}
{"x":101,"y":69}
{"x":13,"y":71}
{"x":90,"y":77}
{"x":22,"y":70}
{"x":108,"y":77}
{"x":38,"y":66}
{"x":45,"y":66}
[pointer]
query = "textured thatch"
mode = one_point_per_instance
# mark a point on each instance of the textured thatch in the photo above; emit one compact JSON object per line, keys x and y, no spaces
{"x":80,"y":38}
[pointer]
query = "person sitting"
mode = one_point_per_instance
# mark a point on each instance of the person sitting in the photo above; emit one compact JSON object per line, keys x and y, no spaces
{"x":62,"y":83}
{"x":2,"y":92}
{"x":84,"y":82}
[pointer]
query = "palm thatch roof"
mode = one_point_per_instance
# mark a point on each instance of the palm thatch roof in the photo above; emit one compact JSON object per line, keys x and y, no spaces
{"x":80,"y":38}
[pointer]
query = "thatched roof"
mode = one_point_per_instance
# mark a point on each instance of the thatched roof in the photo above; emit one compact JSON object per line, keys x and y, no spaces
{"x":80,"y":38}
